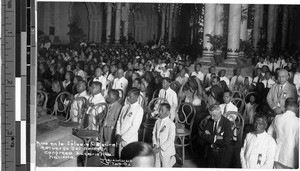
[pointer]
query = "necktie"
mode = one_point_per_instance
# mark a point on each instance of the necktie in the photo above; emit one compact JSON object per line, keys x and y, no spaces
{"x":267,"y":84}
{"x":273,"y":67}
{"x":127,"y":110}
{"x":225,"y":109}
{"x":237,"y":80}
{"x":165,"y":97}
{"x":215,"y":127}
{"x":258,"y":79}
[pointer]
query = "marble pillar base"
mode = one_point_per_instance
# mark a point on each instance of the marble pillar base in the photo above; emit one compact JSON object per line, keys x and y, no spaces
{"x":231,"y":58}
{"x":208,"y":58}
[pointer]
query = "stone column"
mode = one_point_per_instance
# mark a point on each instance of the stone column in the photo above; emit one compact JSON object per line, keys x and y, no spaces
{"x":219,"y":19}
{"x":174,"y":24}
{"x":271,"y":27}
{"x":244,"y":31}
{"x":275,"y":23}
{"x":108,"y":22}
{"x":261,"y":16}
{"x":256,"y":28}
{"x":209,"y":25}
{"x":163,"y":23}
{"x":95,"y":28}
{"x":233,"y":34}
{"x":125,"y":19}
{"x":118,"y":23}
{"x":170,"y":24}
{"x":284,"y":27}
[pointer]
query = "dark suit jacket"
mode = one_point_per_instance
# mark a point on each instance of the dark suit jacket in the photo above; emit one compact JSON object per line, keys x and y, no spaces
{"x":225,"y":125}
{"x":221,"y":154}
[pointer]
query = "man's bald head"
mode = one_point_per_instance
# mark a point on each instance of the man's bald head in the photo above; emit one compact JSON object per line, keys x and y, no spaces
{"x":283,"y":75}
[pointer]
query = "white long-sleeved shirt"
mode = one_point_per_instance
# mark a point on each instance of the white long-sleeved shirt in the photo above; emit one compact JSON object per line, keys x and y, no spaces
{"x":229,"y":107}
{"x":268,"y":83}
{"x":285,"y":130}
{"x":120,"y":83}
{"x":258,"y":151}
{"x":296,"y":81}
{"x":199,"y":75}
{"x":171,"y":96}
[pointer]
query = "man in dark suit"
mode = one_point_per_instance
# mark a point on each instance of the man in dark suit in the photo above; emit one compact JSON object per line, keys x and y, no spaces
{"x":217,"y":136}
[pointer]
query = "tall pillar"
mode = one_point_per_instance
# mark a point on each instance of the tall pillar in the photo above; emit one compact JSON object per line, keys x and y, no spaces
{"x":118,"y":23}
{"x":209,"y":25}
{"x":270,"y":31}
{"x":174,"y":24}
{"x":275,"y":23}
{"x":243,"y":33}
{"x":256,"y":28}
{"x":261,"y":16}
{"x":95,"y":28}
{"x":244,"y":24}
{"x":163,"y":23}
{"x":233,"y":34}
{"x":284,"y":27}
{"x":125,"y":19}
{"x":170,"y":24}
{"x":219,"y":19}
{"x":108,"y":22}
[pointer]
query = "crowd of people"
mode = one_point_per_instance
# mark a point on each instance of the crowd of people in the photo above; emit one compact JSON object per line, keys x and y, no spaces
{"x":127,"y":79}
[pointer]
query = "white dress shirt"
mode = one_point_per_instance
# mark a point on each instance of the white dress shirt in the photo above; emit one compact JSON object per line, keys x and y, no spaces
{"x":120,"y":83}
{"x":229,"y":107}
{"x":296,"y":81}
{"x":285,"y":130}
{"x":199,"y":75}
{"x":271,"y":65}
{"x":268,"y":83}
{"x":171,"y":96}
{"x":258,"y":151}
{"x":182,"y":80}
{"x":240,"y":80}
{"x":102,"y":80}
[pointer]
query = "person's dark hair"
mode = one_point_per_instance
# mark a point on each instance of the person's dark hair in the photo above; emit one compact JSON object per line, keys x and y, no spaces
{"x":228,"y":91}
{"x":262,"y":116}
{"x":97,"y":83}
{"x":136,"y":149}
{"x":135,"y":91}
{"x":197,"y":65}
{"x":79,"y":78}
{"x":167,"y":79}
{"x":114,"y":92}
{"x":72,"y":75}
{"x":167,"y":105}
{"x":138,"y":80}
{"x":291,"y":102}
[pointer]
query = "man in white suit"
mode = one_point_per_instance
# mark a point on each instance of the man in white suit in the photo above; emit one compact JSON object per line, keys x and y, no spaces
{"x":285,"y":130}
{"x":129,"y":120}
{"x":280,"y":91}
{"x":170,"y":95}
{"x":163,"y":138}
